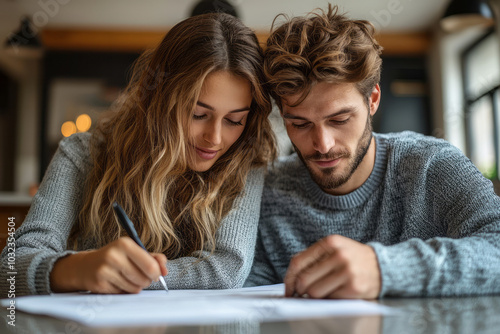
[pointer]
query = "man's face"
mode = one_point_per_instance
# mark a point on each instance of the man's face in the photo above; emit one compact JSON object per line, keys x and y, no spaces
{"x":331,"y":132}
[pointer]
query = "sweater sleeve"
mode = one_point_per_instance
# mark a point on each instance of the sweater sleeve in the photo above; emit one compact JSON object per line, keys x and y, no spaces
{"x":229,"y":265}
{"x":465,"y":261}
{"x":262,"y":272}
{"x":42,"y":237}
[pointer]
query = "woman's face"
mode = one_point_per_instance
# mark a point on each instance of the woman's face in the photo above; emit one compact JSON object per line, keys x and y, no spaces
{"x":218,"y":119}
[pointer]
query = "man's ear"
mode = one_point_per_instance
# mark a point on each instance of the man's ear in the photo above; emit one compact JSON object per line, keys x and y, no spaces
{"x":374,"y":99}
{"x":279,"y":104}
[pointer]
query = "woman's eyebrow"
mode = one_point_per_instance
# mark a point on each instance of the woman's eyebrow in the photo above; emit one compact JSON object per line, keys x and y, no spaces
{"x":209,"y":107}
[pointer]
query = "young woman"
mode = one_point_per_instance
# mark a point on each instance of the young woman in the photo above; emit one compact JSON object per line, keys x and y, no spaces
{"x":180,"y":153}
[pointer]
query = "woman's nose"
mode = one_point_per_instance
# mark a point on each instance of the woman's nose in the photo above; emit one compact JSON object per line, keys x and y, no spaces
{"x":212,"y":133}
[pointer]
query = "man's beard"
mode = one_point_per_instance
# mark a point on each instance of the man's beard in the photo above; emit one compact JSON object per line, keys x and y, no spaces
{"x":326,"y":178}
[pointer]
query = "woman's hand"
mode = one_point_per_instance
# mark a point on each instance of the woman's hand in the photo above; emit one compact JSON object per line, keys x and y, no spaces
{"x":119,"y":267}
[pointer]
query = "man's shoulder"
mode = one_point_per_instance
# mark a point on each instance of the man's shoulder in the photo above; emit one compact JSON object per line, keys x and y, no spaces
{"x":411,"y":144}
{"x":285,"y":165}
{"x":410,"y":154}
{"x":412,"y":139}
{"x":291,"y":161}
{"x":284,"y":169}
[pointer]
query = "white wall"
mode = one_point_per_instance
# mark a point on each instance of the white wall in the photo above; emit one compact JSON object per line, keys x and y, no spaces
{"x":388,"y":15}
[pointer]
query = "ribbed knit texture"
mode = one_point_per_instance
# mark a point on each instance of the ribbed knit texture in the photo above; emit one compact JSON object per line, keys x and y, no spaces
{"x":431,"y":217}
{"x":42,"y":238}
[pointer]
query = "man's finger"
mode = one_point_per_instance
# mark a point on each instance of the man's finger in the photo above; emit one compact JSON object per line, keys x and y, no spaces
{"x":328,"y":285}
{"x":304,"y":260}
{"x":324,"y":267}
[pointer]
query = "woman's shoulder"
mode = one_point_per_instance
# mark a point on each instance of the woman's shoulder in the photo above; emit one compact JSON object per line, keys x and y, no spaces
{"x":77,"y":141}
{"x":77,"y":148}
{"x":255,"y":177}
{"x":256,"y":173}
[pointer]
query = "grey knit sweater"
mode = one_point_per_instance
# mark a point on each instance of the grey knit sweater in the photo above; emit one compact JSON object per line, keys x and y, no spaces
{"x":431,"y":217}
{"x":42,"y":237}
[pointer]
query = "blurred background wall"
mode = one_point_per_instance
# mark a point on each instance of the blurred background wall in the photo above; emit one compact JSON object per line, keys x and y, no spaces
{"x":436,"y":81}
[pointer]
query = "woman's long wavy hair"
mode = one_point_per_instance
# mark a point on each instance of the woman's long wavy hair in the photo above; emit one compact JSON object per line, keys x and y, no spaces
{"x":139,"y":148}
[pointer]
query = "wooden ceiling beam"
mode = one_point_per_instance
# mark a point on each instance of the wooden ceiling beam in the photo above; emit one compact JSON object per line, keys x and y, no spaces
{"x":404,"y":43}
{"x":138,"y":41}
{"x":100,"y":40}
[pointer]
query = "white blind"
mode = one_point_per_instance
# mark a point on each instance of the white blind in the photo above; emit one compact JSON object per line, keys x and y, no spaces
{"x":483,"y":67}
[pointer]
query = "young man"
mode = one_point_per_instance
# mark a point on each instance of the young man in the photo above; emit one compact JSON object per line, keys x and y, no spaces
{"x":360,"y":215}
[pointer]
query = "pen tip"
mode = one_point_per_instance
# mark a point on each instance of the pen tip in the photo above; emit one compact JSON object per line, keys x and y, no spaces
{"x":162,"y":280}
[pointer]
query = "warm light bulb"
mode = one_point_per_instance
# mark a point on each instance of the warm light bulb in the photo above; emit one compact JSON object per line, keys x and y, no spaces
{"x":83,"y":122}
{"x":68,"y":128}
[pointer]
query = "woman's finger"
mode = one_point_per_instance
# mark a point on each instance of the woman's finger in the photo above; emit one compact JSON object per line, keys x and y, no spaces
{"x":143,"y":260}
{"x":109,"y":280}
{"x":162,"y":261}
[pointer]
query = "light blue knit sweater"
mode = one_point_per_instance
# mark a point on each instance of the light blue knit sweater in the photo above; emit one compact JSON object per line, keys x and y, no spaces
{"x":431,"y":217}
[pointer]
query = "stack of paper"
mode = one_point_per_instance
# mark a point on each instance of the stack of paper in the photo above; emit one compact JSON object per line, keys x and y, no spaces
{"x":190,"y":307}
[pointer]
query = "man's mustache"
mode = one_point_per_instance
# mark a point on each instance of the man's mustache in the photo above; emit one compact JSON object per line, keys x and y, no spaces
{"x":328,"y":156}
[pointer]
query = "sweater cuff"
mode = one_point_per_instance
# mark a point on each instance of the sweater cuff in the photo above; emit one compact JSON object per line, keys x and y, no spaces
{"x":41,"y":283}
{"x":401,"y":270}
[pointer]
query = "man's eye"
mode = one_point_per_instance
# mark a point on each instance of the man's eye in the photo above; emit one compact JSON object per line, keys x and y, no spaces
{"x":299,"y":126}
{"x":340,"y":122}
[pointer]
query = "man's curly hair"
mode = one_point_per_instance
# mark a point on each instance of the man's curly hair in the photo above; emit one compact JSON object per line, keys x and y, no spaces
{"x":321,"y":47}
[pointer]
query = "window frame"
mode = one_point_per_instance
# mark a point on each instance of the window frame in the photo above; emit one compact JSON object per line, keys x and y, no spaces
{"x":469,"y":102}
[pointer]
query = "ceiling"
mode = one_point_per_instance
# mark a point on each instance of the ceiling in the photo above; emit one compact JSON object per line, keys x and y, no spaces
{"x":387,"y":15}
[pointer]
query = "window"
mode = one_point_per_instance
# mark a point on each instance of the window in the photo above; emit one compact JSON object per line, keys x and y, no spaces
{"x":481,"y":76}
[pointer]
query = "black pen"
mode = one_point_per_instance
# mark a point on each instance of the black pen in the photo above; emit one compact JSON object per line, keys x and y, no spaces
{"x":129,"y":227}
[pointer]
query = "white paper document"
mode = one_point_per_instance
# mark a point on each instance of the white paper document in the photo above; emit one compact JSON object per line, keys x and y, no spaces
{"x":190,"y":307}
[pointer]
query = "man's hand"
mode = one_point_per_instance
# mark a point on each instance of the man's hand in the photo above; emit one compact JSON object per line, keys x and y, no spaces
{"x":334,"y":267}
